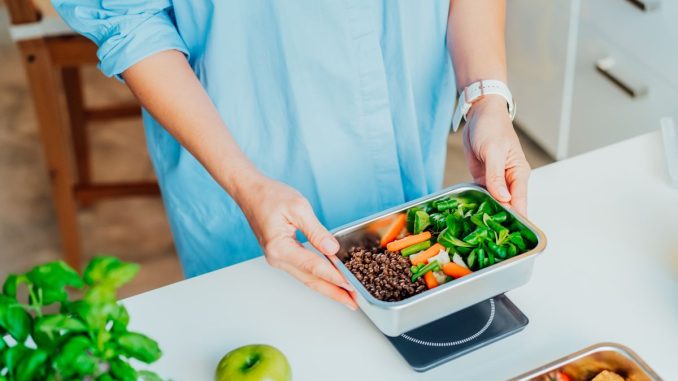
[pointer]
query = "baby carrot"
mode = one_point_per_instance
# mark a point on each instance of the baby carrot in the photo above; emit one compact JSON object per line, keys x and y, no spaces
{"x":430,"y":280}
{"x":408,"y":241}
{"x":430,"y":252}
{"x":455,"y":271}
{"x":394,"y":229}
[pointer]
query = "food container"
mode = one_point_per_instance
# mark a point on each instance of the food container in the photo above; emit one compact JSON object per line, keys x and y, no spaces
{"x":395,"y":318}
{"x":587,"y":363}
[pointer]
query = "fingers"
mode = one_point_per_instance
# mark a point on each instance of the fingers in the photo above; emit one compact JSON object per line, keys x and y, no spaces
{"x":290,"y":252}
{"x":323,"y":287}
{"x":304,"y":218}
{"x":518,"y":180}
{"x":495,"y":178}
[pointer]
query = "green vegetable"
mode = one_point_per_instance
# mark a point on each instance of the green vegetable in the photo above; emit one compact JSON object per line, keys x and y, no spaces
{"x":447,"y":239}
{"x":409,"y":221}
{"x":499,"y":251}
{"x":438,"y":222}
{"x":432,"y":266}
{"x":473,"y":225}
{"x":445,"y":204}
{"x":421,"y":221}
{"x":417,"y":247}
{"x":478,"y":236}
{"x":76,"y":339}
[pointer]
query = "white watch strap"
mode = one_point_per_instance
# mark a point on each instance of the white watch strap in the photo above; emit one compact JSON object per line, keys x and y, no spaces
{"x":476,"y":91}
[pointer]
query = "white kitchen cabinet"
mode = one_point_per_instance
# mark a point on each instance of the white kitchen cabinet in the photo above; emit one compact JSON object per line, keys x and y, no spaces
{"x":565,"y":102}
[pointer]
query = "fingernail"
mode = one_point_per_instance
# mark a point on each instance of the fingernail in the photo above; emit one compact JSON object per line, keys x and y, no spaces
{"x":348,"y":287}
{"x":329,"y":245}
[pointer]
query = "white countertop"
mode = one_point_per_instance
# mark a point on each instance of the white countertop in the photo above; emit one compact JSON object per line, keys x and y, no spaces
{"x":610,"y":273}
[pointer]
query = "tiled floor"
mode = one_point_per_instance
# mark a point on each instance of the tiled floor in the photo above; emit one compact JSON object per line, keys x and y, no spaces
{"x":134,"y":229}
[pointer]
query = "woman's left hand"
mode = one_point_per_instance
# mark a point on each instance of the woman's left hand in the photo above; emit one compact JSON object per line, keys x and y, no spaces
{"x":493,"y":152}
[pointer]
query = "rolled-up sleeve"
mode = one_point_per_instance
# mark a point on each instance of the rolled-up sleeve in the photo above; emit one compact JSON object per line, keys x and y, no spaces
{"x":126,"y":31}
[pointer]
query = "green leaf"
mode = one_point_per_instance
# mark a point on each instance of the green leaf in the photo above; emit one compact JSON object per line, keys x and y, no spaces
{"x":122,"y":371}
{"x":32,"y":366}
{"x":438,"y":222}
{"x":477,"y":236}
{"x":421,"y":221}
{"x":147,"y":375}
{"x":529,"y":236}
{"x":499,"y":251}
{"x":448,"y":240}
{"x":17,"y":322}
{"x":53,"y":295}
{"x":139,"y":346}
{"x":56,"y":324}
{"x":502,"y":236}
{"x":12,"y":283}
{"x":100,"y":293}
{"x":94,"y":315}
{"x":120,"y":319}
{"x":517,"y":239}
{"x":500,"y":217}
{"x":54,"y":275}
{"x":76,"y":358}
{"x":410,"y":217}
{"x":13,"y":357}
{"x":110,"y":270}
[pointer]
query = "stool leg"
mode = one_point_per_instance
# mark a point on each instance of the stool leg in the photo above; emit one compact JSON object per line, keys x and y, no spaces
{"x":45,"y":93}
{"x":70,"y":78}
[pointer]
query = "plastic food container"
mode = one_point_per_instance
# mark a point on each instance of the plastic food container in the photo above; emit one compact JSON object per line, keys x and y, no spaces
{"x":587,"y":363}
{"x":395,"y":318}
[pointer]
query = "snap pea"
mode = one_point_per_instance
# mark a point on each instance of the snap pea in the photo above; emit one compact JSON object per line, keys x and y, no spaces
{"x":417,"y":247}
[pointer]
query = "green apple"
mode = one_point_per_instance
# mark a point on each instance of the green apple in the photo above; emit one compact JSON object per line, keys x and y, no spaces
{"x":258,"y":362}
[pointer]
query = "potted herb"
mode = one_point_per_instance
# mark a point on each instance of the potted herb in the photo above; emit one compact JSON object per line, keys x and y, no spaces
{"x":50,"y":335}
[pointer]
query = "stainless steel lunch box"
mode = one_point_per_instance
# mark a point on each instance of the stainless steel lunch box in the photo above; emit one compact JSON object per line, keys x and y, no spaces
{"x":588,"y":362}
{"x":395,"y":318}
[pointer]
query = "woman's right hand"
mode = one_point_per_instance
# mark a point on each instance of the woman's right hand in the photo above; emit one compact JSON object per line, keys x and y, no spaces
{"x":275,"y":212}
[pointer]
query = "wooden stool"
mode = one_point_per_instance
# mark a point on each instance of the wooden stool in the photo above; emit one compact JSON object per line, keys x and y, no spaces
{"x":52,"y":56}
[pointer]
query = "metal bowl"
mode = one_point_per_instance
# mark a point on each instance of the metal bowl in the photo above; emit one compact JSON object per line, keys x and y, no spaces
{"x":395,"y":318}
{"x":587,"y":363}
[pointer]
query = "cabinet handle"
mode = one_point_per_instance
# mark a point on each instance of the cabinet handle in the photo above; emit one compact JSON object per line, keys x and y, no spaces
{"x":646,"y":5}
{"x":609,"y":69}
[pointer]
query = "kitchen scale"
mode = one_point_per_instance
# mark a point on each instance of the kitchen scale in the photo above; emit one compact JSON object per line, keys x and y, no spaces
{"x":460,"y":333}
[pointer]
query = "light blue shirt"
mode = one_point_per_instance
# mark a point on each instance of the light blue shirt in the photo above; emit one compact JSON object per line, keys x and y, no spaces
{"x":349,"y":102}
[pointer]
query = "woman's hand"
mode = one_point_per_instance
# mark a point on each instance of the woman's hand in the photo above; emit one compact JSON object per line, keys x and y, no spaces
{"x":275,"y":212}
{"x":493,"y":152}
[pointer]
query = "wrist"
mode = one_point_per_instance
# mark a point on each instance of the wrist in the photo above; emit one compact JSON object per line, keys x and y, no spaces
{"x":491,"y":103}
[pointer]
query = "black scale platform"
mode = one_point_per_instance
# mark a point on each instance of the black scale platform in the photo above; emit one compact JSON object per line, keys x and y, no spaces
{"x":460,"y":333}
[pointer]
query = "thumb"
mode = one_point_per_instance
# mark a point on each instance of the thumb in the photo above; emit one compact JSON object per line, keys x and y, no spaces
{"x":495,"y":178}
{"x":315,"y":232}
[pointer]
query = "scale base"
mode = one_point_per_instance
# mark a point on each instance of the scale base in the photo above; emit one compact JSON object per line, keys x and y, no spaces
{"x":467,"y":330}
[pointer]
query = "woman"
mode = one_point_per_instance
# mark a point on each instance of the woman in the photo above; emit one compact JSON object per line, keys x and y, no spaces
{"x":264,"y":118}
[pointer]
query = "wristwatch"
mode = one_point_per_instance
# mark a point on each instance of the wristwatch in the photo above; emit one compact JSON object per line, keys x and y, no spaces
{"x":476,"y":91}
